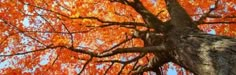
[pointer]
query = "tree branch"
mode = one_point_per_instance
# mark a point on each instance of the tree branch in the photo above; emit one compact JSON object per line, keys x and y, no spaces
{"x":37,"y":50}
{"x":150,"y":49}
{"x":117,"y":45}
{"x":54,"y":61}
{"x":150,"y":19}
{"x":179,"y":17}
{"x":71,"y":36}
{"x":133,"y":67}
{"x":134,"y":50}
{"x":91,"y":18}
{"x":125,"y":62}
{"x":154,"y":64}
{"x":56,"y":32}
{"x":204,"y":16}
{"x":121,"y":69}
{"x":100,"y":55}
{"x":159,"y":13}
{"x":85,"y":65}
{"x":46,"y":21}
{"x":108,"y":68}
{"x":9,"y":24}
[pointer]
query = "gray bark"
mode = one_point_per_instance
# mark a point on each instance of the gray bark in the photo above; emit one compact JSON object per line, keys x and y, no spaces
{"x":185,"y":44}
{"x":206,"y":54}
{"x":201,"y":53}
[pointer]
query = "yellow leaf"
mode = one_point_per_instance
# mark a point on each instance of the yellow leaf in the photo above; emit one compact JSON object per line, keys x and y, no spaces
{"x":58,"y":40}
{"x":75,"y":15}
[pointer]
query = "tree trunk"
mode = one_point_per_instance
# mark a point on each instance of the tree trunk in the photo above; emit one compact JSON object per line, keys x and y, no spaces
{"x":205,"y":54}
{"x":201,"y":53}
{"x":185,"y":44}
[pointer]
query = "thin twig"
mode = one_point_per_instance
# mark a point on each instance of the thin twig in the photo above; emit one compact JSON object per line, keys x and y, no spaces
{"x":121,"y":69}
{"x":85,"y":65}
{"x":117,"y":45}
{"x":205,"y":15}
{"x":37,"y":50}
{"x":112,"y":63}
{"x":54,"y":61}
{"x":136,"y":62}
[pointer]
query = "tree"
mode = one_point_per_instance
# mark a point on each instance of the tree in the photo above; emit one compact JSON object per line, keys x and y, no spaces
{"x":117,"y":36}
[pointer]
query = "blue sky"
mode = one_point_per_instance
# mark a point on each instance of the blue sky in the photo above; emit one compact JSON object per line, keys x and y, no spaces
{"x":171,"y":70}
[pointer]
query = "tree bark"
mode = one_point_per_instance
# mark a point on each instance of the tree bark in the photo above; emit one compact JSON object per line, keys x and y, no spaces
{"x":198,"y":52}
{"x":201,"y":53}
{"x":205,"y":54}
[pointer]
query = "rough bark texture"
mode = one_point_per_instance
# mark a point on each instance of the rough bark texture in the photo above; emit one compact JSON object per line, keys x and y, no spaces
{"x":201,"y":53}
{"x":206,"y":54}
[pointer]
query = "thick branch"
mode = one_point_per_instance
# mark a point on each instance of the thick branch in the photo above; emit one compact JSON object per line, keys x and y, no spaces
{"x":125,"y":62}
{"x":150,"y":49}
{"x":152,"y":65}
{"x":179,"y":17}
{"x":105,"y":54}
{"x":150,"y":19}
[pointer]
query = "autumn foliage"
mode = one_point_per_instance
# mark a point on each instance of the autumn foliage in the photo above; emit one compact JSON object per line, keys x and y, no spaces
{"x":40,"y":36}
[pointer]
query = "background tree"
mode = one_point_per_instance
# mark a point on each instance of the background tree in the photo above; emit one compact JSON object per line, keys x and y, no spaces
{"x":91,"y":37}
